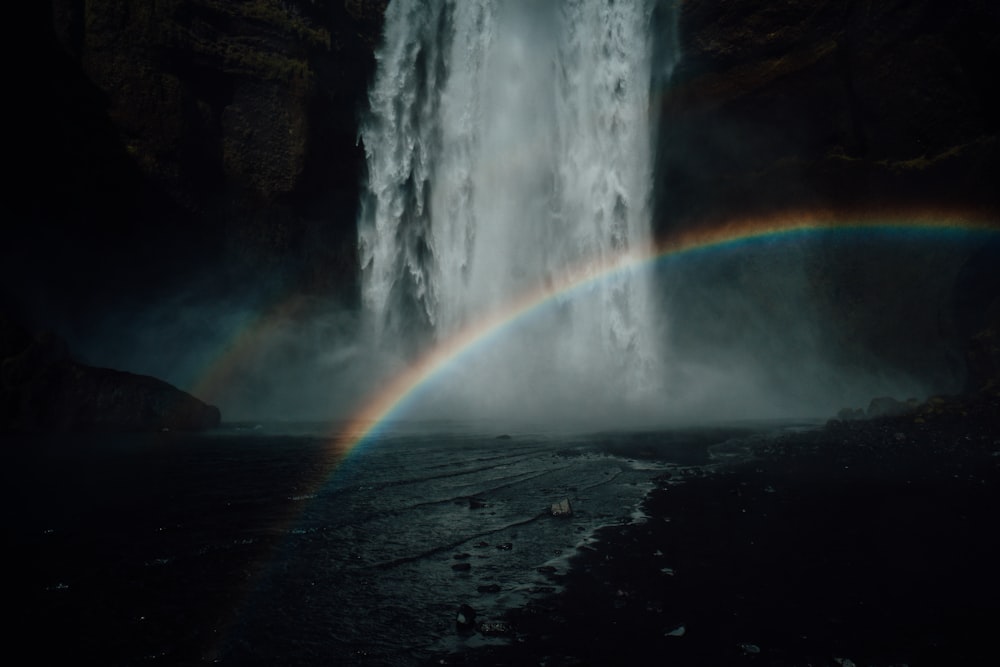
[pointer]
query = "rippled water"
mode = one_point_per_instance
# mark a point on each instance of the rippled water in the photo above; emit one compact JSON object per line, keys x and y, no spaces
{"x":253,"y":547}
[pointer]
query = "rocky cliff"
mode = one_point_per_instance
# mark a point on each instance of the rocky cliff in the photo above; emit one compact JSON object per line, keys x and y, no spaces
{"x":214,"y":133}
{"x":822,"y":103}
{"x":189,"y":136}
{"x":187,"y":145}
{"x":846,"y":107}
{"x":214,"y":142}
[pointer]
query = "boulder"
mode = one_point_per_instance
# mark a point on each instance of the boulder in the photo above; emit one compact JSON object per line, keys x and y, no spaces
{"x":496,"y":628}
{"x":561,"y":508}
{"x":465,"y":621}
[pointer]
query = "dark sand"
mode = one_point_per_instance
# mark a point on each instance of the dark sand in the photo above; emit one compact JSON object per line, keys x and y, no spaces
{"x":862,"y":543}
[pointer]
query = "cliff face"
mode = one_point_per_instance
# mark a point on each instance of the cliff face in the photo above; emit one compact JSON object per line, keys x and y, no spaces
{"x":203,"y":147}
{"x":823,"y":103}
{"x":208,"y":94}
{"x":214,"y":143}
{"x":194,"y":136}
{"x":225,"y":133}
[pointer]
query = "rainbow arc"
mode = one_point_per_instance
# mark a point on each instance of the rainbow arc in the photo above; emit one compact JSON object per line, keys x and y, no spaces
{"x":390,"y":400}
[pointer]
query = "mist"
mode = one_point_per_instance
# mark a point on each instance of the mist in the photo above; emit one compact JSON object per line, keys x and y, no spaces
{"x":257,"y":359}
{"x":758,"y":331}
{"x":774,"y":329}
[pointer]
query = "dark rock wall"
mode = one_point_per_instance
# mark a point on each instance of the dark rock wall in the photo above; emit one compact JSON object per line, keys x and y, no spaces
{"x":825,"y":103}
{"x":191,"y":138}
{"x":846,"y":106}
{"x":213,"y":143}
{"x":43,"y":389}
{"x":185,"y":134}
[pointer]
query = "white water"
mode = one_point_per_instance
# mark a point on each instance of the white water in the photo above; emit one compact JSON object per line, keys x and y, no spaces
{"x":509,"y":141}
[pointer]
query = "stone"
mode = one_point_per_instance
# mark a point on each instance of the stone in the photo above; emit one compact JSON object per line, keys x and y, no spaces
{"x":465,"y":620}
{"x":496,"y":628}
{"x":561,"y":509}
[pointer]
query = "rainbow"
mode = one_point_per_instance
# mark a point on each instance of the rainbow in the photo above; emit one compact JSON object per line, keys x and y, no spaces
{"x":392,"y":397}
{"x":390,"y":400}
{"x":240,"y":348}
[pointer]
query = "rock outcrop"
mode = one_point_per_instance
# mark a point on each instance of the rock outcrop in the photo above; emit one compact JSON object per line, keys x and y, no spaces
{"x":43,"y":389}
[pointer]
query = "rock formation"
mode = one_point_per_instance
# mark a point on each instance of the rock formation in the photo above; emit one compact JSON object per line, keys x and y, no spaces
{"x":191,"y":137}
{"x":43,"y":389}
{"x":210,"y":142}
{"x":838,"y":105}
{"x":227,"y":132}
{"x":561,"y":508}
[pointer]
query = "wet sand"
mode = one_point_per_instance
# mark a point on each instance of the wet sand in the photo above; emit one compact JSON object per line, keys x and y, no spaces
{"x":873,"y":542}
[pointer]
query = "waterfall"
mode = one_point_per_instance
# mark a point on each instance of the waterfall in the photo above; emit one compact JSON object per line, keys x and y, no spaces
{"x":509,"y":141}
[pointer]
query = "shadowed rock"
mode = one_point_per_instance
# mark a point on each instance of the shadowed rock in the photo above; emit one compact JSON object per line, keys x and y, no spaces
{"x":465,"y":620}
{"x":561,"y":508}
{"x":43,"y":389}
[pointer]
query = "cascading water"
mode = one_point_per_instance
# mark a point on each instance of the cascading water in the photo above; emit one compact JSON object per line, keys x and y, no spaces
{"x":509,"y":141}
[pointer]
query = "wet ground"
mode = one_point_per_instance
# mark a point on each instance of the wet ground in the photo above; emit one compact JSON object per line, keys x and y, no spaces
{"x":868,"y":542}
